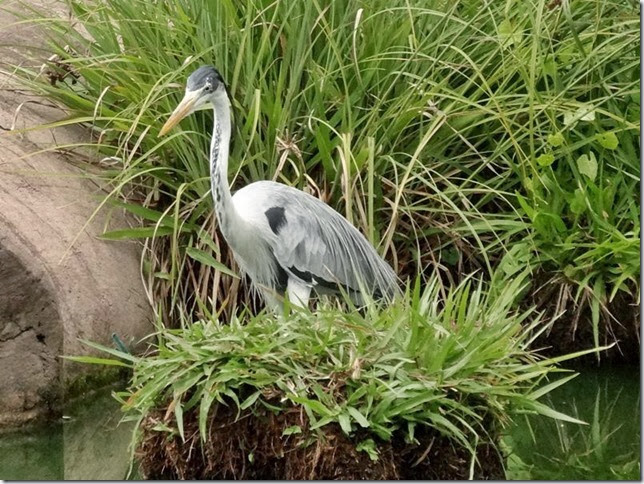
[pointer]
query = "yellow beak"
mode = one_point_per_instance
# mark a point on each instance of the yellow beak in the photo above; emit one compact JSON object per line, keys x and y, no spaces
{"x":184,"y":108}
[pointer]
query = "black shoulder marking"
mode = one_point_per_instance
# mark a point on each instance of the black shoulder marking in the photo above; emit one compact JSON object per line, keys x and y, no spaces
{"x":276,"y":218}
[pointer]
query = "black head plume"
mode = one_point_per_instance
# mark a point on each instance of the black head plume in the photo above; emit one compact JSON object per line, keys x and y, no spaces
{"x":205,"y":76}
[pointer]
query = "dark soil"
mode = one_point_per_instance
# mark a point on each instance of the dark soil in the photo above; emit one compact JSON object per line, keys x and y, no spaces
{"x":573,"y":330}
{"x":254,"y":447}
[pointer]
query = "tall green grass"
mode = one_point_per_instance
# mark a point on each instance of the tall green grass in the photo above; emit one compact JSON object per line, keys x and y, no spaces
{"x":457,"y":136}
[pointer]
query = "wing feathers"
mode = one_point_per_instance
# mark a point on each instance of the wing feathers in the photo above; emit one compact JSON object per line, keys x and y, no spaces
{"x":312,"y":241}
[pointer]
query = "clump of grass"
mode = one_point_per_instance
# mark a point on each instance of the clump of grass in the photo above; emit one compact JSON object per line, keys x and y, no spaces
{"x":454,"y":361}
{"x":456,"y":135}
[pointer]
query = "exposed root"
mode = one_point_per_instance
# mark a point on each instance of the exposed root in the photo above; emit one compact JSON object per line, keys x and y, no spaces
{"x":573,"y":330}
{"x":254,"y":447}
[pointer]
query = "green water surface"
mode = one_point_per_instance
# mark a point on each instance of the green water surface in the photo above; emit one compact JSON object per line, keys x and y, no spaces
{"x":92,"y":444}
{"x":606,"y":448}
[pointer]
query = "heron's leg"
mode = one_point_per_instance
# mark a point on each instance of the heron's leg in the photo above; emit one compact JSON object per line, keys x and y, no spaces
{"x":298,"y":292}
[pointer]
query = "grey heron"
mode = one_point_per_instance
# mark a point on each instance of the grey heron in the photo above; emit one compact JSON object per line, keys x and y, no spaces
{"x":287,"y":241}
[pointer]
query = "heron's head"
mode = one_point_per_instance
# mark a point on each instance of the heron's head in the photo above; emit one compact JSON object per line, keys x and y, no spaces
{"x":205,"y":88}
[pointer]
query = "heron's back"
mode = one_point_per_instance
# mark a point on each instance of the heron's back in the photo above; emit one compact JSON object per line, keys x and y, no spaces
{"x":313,"y":242}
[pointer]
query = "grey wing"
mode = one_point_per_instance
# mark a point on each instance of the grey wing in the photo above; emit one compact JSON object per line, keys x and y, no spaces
{"x":316,"y":244}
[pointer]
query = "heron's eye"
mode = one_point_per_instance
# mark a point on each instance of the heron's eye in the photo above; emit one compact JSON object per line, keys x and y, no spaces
{"x":208,"y":87}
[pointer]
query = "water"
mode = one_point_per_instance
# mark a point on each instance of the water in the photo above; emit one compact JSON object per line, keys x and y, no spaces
{"x":607,"y":448}
{"x":90,"y":443}
{"x":93,"y":445}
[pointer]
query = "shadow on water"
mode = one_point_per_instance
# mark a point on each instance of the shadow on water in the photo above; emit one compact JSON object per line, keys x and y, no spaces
{"x":89,"y":444}
{"x":607,"y":448}
{"x":93,"y":445}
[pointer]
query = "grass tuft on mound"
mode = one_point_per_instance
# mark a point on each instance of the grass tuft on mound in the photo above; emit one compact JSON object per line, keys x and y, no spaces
{"x":447,"y":362}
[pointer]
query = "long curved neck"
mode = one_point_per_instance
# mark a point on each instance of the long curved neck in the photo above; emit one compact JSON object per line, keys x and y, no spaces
{"x":219,"y":148}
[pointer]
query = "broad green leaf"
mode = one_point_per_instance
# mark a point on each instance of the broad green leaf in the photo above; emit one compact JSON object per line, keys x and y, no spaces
{"x":321,"y":422}
{"x":528,"y":184}
{"x":314,"y":405}
{"x":578,"y":202}
{"x":178,"y":413}
{"x":143,"y":212}
{"x":549,"y":412}
{"x":608,"y":140}
{"x":204,"y":236}
{"x":529,"y":211}
{"x":293,"y":429}
{"x":204,"y":407}
{"x":368,"y":446}
{"x":584,"y":113}
{"x":546,"y":159}
{"x":161,"y":427}
{"x":97,"y":361}
{"x":509,"y":34}
{"x":551,"y":386}
{"x":137,"y":233}
{"x":250,"y":400}
{"x":549,"y":67}
{"x":555,"y":139}
{"x":345,"y":423}
{"x":587,"y":165}
{"x":111,"y":351}
{"x":569,"y":271}
{"x":207,"y":259}
{"x":553,"y":220}
{"x":587,"y":114}
{"x":358,"y":417}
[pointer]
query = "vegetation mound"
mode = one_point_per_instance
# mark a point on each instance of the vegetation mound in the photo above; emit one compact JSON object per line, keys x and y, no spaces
{"x":440,"y":371}
{"x":262,"y":444}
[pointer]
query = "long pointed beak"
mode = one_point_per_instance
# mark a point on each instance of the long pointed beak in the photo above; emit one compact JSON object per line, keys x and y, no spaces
{"x":184,"y":108}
